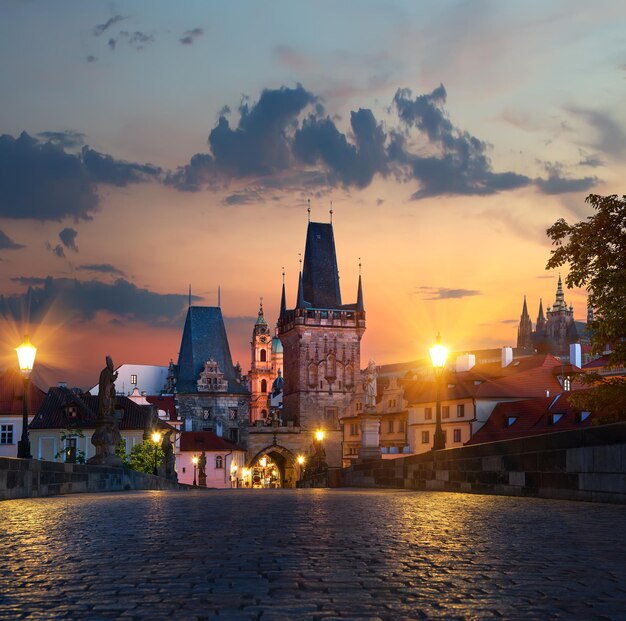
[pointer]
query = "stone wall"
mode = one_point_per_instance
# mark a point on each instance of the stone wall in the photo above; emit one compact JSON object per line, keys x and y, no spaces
{"x":31,"y":478}
{"x":586,"y":464}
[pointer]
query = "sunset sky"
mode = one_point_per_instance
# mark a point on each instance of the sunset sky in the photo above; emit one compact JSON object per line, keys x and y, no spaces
{"x":150,"y":145}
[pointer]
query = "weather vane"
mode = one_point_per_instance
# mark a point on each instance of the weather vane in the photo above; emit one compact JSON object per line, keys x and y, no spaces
{"x":331,"y":212}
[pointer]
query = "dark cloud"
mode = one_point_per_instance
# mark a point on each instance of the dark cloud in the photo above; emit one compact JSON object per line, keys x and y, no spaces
{"x":189,"y":36}
{"x":105,"y":169}
{"x":68,"y":238}
{"x":245,"y":197}
{"x":57,"y":250}
{"x":91,"y":58}
{"x":508,"y":321}
{"x":139,"y":40}
{"x":100,"y":28}
{"x":41,"y":180}
{"x":68,"y":139}
{"x":259,"y":145}
{"x":592,"y":161}
{"x":102,"y":268}
{"x":442,"y":293}
{"x":6,"y":243}
{"x":350,"y":164}
{"x":557,"y":184}
{"x":29,"y":281}
{"x":112,"y":43}
{"x":82,"y":300}
{"x":459,"y":164}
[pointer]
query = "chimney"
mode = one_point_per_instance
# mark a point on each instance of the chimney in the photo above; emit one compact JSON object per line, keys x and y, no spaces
{"x":507,"y":356}
{"x":574,"y":354}
{"x":465,"y":362}
{"x":62,"y":384}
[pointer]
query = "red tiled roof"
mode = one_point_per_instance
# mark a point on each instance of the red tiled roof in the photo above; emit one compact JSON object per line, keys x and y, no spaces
{"x":598,"y":363}
{"x":165,"y":403}
{"x":12,"y":393}
{"x":198,"y":441}
{"x":52,"y":413}
{"x":533,"y":417}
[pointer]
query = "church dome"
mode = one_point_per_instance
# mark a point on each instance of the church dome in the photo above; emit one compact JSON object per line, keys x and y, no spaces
{"x":277,"y":346}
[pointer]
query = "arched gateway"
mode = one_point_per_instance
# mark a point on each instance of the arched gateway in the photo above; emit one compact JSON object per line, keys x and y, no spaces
{"x":273,"y":466}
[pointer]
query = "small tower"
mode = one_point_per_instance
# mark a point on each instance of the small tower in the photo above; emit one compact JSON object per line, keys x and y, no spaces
{"x":560,"y":326}
{"x":525,"y":330}
{"x":260,"y":377}
{"x":540,"y":328}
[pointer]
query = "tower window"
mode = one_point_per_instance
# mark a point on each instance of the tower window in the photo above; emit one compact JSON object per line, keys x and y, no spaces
{"x":263,"y":386}
{"x":263,"y":356}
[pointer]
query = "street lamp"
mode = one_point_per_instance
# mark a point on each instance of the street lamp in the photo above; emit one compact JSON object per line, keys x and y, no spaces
{"x":156,"y":438}
{"x":319,"y":436}
{"x":438,"y":355}
{"x":26,"y":359}
{"x":194,"y":460}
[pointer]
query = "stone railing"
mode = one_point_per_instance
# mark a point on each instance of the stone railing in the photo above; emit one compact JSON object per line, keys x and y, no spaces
{"x":585,"y":464}
{"x":31,"y":478}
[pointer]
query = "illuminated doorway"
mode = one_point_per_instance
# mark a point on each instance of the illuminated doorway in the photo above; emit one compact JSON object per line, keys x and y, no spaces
{"x":271,"y":468}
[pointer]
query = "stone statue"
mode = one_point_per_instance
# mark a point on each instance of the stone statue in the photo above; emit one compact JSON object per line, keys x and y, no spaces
{"x":107,"y":436}
{"x":370,"y":385}
{"x":202,"y":470}
{"x":169,"y":461}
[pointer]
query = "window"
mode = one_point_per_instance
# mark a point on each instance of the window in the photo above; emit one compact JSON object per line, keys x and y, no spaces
{"x":425,"y":437}
{"x":321,"y":384}
{"x":567,"y":383}
{"x":263,"y":355}
{"x":206,"y":413}
{"x":219,"y":462}
{"x":445,"y":411}
{"x":233,"y":435}
{"x":389,"y":426}
{"x":263,"y":386}
{"x":354,"y":429}
{"x":460,"y":410}
{"x":359,"y":406}
{"x":6,"y":434}
{"x":133,"y":380}
{"x":428,"y":413}
{"x":555,"y":418}
{"x":510,"y":420}
{"x":232,"y":413}
{"x":457,"y":435}
{"x":583,"y":416}
{"x":401,"y":426}
{"x":70,"y":450}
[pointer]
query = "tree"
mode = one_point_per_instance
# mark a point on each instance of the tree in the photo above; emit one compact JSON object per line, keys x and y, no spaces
{"x":142,"y":456}
{"x":69,"y":441}
{"x":595,"y":250}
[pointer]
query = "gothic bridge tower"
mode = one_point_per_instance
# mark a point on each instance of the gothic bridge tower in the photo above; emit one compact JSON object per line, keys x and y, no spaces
{"x":321,"y":340}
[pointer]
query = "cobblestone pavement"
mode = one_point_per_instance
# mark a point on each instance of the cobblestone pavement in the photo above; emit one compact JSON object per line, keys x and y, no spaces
{"x":310,"y":554}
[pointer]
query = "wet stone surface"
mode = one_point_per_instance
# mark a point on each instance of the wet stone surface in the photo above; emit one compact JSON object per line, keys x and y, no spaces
{"x":310,"y":554}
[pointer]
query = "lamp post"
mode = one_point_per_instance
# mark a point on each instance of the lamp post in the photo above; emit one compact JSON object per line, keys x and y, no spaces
{"x":438,"y":355}
{"x":156,"y":438}
{"x":194,"y":460}
{"x":26,"y":359}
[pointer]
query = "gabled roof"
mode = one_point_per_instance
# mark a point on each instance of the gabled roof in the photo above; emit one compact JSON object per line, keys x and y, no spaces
{"x":52,"y":413}
{"x":166,"y":403}
{"x":12,"y":393}
{"x":320,"y":278}
{"x":198,"y":441}
{"x":531,"y":417}
{"x":204,"y":337}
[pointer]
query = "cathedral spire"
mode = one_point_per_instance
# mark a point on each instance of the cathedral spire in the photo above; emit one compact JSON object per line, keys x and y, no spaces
{"x":525,"y":330}
{"x":559,"y":302}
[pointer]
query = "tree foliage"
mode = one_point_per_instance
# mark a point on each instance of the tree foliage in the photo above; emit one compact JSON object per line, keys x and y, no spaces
{"x":141,"y":456}
{"x":595,"y":250}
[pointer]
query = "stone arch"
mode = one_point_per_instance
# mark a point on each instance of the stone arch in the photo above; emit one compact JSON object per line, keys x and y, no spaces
{"x":284,"y":459}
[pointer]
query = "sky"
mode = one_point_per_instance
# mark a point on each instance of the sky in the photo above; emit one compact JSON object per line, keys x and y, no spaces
{"x":150,"y":146}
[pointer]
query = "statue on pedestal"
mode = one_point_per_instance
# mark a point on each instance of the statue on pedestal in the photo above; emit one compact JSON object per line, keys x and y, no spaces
{"x":370,"y":385}
{"x":202,"y":470}
{"x":167,"y":468}
{"x":107,"y":436}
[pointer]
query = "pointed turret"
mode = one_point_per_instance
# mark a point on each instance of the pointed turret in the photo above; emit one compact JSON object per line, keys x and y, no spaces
{"x":320,"y":276}
{"x":260,"y":320}
{"x":283,"y":300}
{"x":300,"y":303}
{"x":559,"y":301}
{"x":525,"y":329}
{"x":359,"y":297}
{"x":540,"y":328}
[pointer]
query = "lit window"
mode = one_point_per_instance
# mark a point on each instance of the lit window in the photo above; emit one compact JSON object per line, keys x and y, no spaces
{"x":133,"y":380}
{"x":460,"y":410}
{"x":567,"y":383}
{"x":425,"y":437}
{"x":457,"y":435}
{"x":219,"y":462}
{"x":6,"y":434}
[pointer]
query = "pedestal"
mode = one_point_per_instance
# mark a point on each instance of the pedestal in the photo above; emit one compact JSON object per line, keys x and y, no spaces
{"x":370,"y":435}
{"x":105,"y":438}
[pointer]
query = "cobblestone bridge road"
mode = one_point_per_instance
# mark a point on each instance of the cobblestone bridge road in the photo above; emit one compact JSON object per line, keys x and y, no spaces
{"x":310,"y":554}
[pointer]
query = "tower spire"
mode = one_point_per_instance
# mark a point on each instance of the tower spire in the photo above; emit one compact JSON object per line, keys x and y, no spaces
{"x":359,"y":294}
{"x":309,"y":209}
{"x":283,"y":299}
{"x":331,"y":212}
{"x":190,"y":295}
{"x":219,"y":296}
{"x":300,"y":302}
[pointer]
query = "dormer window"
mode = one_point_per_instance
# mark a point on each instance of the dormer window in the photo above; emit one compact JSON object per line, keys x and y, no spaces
{"x":555,"y":418}
{"x":72,"y":412}
{"x":567,"y":384}
{"x":510,"y":420}
{"x":583,"y":416}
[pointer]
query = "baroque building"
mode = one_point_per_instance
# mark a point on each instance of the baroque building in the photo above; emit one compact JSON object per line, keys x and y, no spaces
{"x":210,"y":392}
